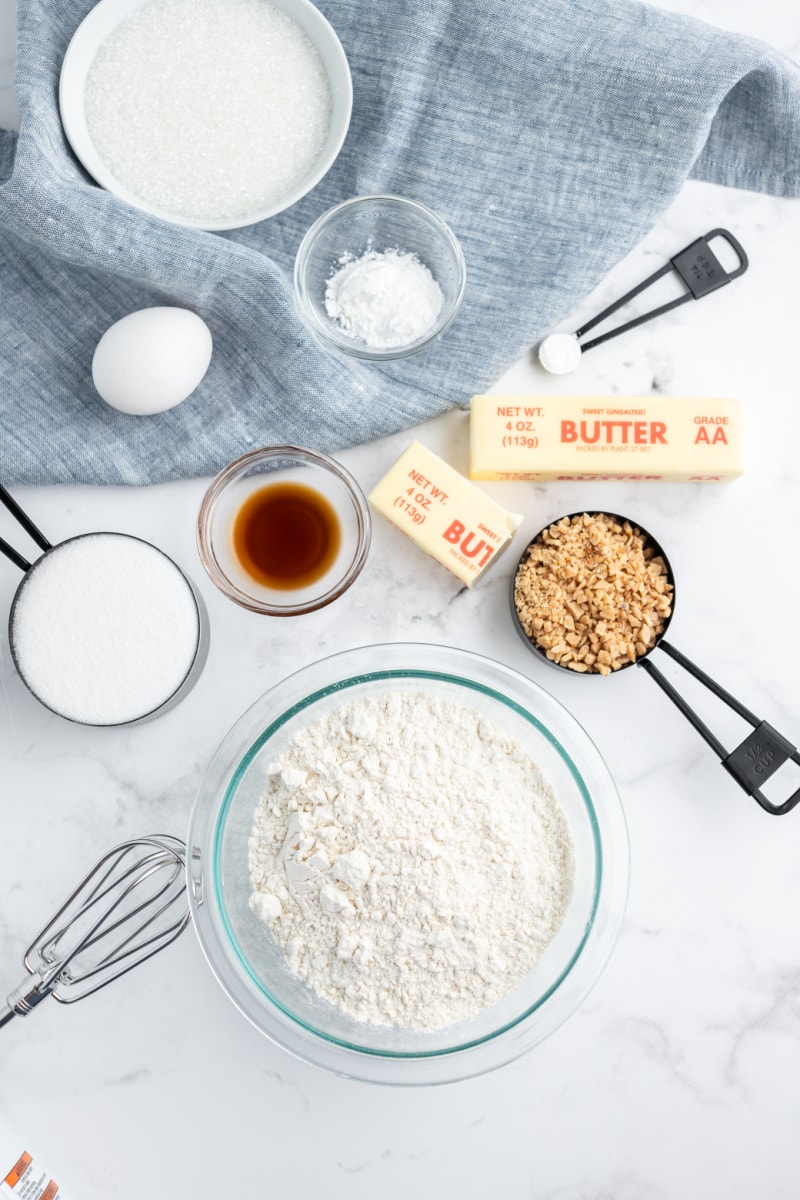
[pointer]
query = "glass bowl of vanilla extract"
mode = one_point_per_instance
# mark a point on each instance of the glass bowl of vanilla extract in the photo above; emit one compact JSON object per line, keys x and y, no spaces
{"x":283,"y":530}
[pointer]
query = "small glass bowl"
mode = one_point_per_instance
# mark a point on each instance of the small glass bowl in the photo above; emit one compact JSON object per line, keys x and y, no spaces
{"x":282,"y":464}
{"x":539,"y":651}
{"x":377,"y":223}
{"x":251,"y":967}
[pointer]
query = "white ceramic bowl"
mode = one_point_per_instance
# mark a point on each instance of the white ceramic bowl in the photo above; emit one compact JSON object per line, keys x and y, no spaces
{"x":104,"y":18}
{"x":248,"y":962}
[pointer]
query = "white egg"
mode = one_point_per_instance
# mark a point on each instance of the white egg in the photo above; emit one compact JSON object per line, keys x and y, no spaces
{"x":151,"y":360}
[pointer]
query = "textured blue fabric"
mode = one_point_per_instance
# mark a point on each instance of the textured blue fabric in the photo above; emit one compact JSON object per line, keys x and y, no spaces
{"x":550,"y":134}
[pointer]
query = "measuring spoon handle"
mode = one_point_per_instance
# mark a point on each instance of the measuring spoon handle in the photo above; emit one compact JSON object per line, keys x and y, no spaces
{"x":754,"y":760}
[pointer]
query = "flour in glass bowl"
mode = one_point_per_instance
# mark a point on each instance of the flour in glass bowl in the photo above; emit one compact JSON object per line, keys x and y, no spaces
{"x":410,"y":860}
{"x":208,"y":109}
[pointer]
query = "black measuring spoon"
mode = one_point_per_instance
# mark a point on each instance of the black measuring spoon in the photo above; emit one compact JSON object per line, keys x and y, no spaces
{"x":755,"y":759}
{"x":697,"y":266}
{"x":30,"y":570}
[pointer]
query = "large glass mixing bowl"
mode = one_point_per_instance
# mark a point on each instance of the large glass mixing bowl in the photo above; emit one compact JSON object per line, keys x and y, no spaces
{"x":251,"y":967}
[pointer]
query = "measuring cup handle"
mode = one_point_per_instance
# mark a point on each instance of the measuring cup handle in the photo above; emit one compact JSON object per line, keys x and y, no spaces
{"x":754,"y":760}
{"x":23,"y":520}
{"x":14,"y":556}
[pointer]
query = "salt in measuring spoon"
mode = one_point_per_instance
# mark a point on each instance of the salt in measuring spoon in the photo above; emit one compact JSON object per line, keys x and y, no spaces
{"x":757,"y":757}
{"x":105,"y":629}
{"x":696,"y":265}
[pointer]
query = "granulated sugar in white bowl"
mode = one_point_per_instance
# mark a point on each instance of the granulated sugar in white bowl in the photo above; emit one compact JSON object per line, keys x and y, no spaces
{"x":104,"y":629}
{"x":212,"y":113}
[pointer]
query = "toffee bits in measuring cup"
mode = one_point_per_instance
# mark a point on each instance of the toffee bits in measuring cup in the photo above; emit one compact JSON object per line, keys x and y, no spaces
{"x":592,"y":594}
{"x":283,"y":530}
{"x":286,"y":535}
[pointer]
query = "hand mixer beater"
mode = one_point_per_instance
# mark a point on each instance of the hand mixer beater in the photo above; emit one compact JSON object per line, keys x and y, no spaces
{"x":131,"y":905}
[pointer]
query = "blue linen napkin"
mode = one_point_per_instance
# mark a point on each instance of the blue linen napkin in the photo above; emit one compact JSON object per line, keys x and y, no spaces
{"x":550,"y":135}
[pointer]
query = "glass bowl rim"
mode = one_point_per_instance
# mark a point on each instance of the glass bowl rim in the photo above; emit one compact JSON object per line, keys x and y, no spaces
{"x":205,"y":541}
{"x":326,"y":331}
{"x":373,"y":1064}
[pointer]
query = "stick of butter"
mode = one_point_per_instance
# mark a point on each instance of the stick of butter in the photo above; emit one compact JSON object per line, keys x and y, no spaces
{"x":605,"y":437}
{"x":455,"y":522}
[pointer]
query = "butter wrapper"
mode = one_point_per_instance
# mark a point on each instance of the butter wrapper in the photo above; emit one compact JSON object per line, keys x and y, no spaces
{"x":605,"y":437}
{"x":446,"y":515}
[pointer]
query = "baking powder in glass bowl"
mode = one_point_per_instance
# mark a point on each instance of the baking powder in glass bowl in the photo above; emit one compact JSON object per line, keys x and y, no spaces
{"x":208,"y":109}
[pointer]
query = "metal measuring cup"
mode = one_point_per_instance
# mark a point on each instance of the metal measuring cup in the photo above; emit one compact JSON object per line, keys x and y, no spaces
{"x":755,"y":759}
{"x":29,"y":568}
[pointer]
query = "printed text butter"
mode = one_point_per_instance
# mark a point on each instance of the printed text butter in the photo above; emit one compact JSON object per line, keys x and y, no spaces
{"x":447,"y":516}
{"x":598,"y":437}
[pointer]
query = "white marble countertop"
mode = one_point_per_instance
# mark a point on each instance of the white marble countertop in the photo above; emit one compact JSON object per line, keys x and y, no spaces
{"x":678,"y":1078}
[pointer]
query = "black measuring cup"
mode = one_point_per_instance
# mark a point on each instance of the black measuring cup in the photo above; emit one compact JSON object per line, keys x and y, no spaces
{"x":29,"y":568}
{"x":755,"y":759}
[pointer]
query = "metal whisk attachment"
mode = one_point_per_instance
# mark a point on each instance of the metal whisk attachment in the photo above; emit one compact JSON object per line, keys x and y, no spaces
{"x":131,"y":905}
